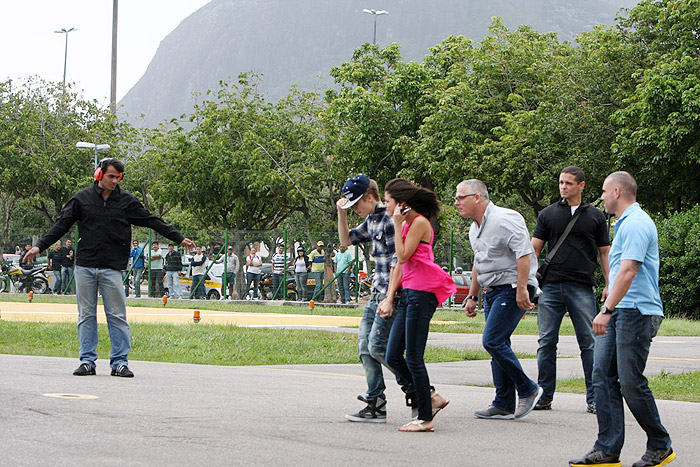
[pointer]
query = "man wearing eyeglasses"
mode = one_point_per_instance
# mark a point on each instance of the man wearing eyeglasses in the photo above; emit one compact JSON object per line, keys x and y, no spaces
{"x":504,"y":267}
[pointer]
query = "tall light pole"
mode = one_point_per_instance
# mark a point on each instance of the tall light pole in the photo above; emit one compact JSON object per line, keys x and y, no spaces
{"x":65,"y":56}
{"x":375,"y":13}
{"x":113,"y":85}
{"x":96,"y":147}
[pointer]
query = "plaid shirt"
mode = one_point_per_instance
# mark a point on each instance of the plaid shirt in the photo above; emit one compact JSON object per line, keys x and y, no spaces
{"x":379,"y":229}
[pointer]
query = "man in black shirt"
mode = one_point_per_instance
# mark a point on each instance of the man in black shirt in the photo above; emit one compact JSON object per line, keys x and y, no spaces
{"x":569,"y":284}
{"x":104,"y":214}
{"x":55,"y":263}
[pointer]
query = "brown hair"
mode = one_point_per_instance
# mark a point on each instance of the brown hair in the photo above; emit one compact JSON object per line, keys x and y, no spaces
{"x":422,"y":200}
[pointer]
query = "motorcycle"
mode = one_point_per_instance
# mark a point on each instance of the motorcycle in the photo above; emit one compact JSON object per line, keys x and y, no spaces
{"x":24,"y":280}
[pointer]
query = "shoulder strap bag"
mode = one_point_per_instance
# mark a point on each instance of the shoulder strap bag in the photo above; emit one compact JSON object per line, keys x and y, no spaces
{"x":542,"y":270}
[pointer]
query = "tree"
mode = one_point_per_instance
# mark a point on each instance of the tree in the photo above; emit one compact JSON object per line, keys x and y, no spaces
{"x":40,"y":122}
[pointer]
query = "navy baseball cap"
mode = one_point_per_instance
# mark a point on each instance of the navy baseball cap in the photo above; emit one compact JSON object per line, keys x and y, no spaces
{"x":354,"y":189}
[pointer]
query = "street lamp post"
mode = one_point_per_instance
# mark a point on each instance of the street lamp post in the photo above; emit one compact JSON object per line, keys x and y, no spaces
{"x":65,"y":56}
{"x":375,"y":13}
{"x":96,"y":147}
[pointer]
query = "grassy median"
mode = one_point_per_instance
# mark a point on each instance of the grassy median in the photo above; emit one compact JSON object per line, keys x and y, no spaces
{"x":683,"y":387}
{"x":205,"y":344}
{"x":458,"y":322}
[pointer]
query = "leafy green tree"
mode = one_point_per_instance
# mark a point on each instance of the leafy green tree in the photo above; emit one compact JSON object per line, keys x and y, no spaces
{"x":40,"y":122}
{"x":659,"y":140}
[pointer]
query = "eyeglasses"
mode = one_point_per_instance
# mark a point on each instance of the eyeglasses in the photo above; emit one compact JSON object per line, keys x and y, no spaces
{"x":459,"y":198}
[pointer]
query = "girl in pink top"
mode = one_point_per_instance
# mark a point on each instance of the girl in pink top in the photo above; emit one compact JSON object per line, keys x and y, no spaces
{"x":424,"y":286}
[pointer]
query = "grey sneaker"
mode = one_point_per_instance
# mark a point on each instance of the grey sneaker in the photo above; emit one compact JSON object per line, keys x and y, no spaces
{"x":526,"y":404}
{"x":495,"y":413}
{"x":375,"y":412}
{"x":655,"y":458}
{"x":595,"y":457}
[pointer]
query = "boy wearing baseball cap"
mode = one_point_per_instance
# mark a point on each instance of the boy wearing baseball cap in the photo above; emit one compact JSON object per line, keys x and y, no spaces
{"x":362,"y":196}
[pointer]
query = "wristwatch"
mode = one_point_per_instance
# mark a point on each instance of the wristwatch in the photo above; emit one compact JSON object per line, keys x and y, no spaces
{"x":472,"y":297}
{"x":605,"y":310}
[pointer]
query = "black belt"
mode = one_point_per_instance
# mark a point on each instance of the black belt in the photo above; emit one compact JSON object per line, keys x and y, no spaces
{"x":498,"y":287}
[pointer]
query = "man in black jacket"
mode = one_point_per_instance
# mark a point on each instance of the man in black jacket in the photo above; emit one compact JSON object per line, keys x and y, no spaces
{"x":569,"y":284}
{"x":104,"y":214}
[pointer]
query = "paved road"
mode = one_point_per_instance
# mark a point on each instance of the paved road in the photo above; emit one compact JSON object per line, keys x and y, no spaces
{"x":200,"y":415}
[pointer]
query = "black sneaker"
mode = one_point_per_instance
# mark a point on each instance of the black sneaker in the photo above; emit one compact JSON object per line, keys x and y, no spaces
{"x":85,"y":369}
{"x":543,"y":404}
{"x":375,"y":412}
{"x":412,"y":402}
{"x":656,"y":458}
{"x":595,"y":457}
{"x":590,"y":407}
{"x":123,"y":371}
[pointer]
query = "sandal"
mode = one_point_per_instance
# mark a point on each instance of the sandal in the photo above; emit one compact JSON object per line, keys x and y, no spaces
{"x":438,"y":408}
{"x":416,"y":426}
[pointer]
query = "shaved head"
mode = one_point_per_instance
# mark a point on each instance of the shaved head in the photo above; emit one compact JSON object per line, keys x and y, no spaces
{"x":625,"y":182}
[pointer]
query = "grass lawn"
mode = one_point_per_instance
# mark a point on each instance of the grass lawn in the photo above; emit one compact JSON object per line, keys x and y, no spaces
{"x":683,"y":387}
{"x":459,"y":323}
{"x":205,"y":344}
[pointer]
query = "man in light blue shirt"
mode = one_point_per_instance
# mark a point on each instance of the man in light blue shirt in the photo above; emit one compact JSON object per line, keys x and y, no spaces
{"x":342,"y":260}
{"x":625,"y":326}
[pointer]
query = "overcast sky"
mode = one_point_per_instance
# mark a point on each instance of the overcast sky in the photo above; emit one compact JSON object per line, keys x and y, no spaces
{"x":29,"y":46}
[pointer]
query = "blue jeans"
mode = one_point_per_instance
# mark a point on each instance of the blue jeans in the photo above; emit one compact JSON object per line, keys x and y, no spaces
{"x":199,"y":291}
{"x":300,"y":278}
{"x":372,"y":339}
{"x":172,"y":279}
{"x":277,"y":290}
{"x":67,"y":273}
{"x":109,"y":283}
{"x":618,"y":368}
{"x":254,"y":278}
{"x":157,"y":276}
{"x":410,"y":333}
{"x":57,"y":277}
{"x":502,"y":317}
{"x":138,"y":274}
{"x":318,"y":277}
{"x":125,"y":282}
{"x":344,"y":287}
{"x":555,"y":301}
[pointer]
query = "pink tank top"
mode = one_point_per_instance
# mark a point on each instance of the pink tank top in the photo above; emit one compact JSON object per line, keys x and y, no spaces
{"x":421,"y":272}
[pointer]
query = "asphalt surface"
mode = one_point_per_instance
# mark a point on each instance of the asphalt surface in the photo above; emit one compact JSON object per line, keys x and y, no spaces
{"x":185,"y":415}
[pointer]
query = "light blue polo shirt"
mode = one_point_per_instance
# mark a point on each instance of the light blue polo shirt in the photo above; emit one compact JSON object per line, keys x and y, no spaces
{"x":636,"y":239}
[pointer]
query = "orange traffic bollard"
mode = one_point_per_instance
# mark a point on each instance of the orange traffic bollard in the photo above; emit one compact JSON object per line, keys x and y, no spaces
{"x":31,"y":295}
{"x":165,"y":299}
{"x":196,"y":317}
{"x":311,"y":305}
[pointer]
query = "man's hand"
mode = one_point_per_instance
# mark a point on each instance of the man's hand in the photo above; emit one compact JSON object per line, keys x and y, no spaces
{"x":470,"y":308}
{"x":604,"y":296}
{"x":600,"y":323}
{"x":523,"y":299}
{"x":386,"y":308}
{"x":188,"y":243}
{"x":29,"y":256}
{"x":340,"y":203}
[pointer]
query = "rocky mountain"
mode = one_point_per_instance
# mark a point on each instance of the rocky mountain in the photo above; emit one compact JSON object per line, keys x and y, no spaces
{"x":298,"y":41}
